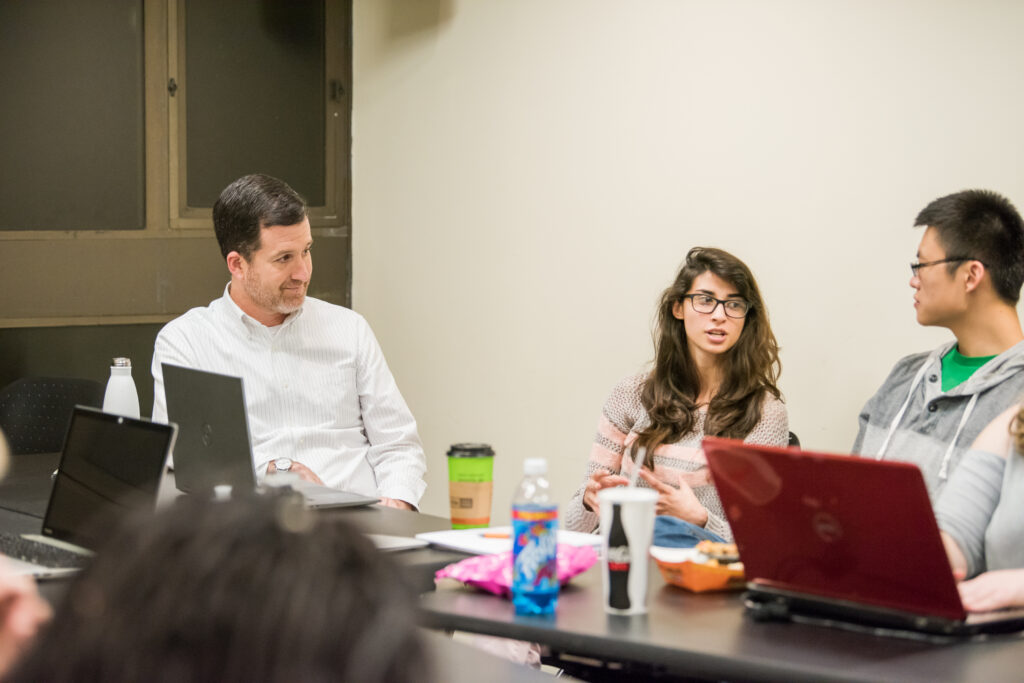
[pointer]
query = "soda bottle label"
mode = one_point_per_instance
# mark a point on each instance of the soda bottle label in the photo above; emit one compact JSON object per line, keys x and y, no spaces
{"x":535,"y":549}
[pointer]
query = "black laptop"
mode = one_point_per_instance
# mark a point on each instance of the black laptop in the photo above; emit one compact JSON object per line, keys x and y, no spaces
{"x":213,"y":446}
{"x":841,"y":540}
{"x":109,"y":465}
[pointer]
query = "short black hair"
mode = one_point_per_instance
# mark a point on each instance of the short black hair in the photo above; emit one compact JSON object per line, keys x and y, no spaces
{"x":248,"y":205}
{"x":985,"y":226}
{"x":254,"y":589}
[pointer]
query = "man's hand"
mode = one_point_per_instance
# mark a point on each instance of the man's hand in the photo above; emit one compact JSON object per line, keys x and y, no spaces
{"x":677,"y":502}
{"x":298,"y":468}
{"x":395,"y":503}
{"x":22,"y":612}
{"x":993,"y":590}
{"x":600,"y":480}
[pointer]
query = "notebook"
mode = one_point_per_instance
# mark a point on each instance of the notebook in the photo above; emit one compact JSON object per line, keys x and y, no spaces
{"x":496,"y":539}
{"x":841,"y":538}
{"x":213,"y":442}
{"x":109,"y":464}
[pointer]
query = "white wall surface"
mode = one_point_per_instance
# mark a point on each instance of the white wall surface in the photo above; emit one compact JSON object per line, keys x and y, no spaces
{"x":528,"y":175}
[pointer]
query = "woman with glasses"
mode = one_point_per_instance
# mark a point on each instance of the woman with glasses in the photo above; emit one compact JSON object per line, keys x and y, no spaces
{"x":714,"y":373}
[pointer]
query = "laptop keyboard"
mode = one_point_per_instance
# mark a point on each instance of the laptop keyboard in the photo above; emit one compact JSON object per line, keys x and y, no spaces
{"x":35,"y":552}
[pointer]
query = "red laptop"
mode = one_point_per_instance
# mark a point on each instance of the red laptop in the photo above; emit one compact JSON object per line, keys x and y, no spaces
{"x":827,"y":537}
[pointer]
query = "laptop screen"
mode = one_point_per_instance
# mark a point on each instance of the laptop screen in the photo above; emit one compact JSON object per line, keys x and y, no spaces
{"x":213,"y":442}
{"x":109,"y":464}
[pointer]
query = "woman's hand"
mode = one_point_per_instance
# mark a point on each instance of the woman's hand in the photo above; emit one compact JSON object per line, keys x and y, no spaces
{"x":600,"y":480}
{"x":993,"y":590}
{"x":677,"y":502}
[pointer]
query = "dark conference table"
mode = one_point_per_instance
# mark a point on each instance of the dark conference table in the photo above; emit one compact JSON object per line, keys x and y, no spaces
{"x":707,"y":636}
{"x":26,"y":489}
{"x":702,"y":636}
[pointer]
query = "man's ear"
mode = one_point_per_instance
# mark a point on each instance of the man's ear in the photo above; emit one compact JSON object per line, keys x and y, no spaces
{"x":234,"y":261}
{"x":976,"y":274}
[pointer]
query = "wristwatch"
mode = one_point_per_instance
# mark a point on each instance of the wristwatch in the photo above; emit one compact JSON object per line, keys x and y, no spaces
{"x":283,"y":464}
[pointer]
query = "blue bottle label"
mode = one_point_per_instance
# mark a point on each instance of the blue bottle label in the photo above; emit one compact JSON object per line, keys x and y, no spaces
{"x":535,"y":549}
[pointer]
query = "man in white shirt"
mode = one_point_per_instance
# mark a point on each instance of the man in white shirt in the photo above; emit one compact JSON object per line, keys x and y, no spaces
{"x":319,"y":395}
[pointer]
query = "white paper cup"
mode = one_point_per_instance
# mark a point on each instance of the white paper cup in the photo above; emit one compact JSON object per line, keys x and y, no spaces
{"x":625,"y":543}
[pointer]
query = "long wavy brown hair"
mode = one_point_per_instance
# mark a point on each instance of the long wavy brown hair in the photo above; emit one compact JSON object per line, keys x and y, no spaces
{"x":750,"y":368}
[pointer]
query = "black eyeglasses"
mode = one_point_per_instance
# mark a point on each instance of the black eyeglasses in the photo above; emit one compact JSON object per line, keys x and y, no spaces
{"x":914,"y":267}
{"x":704,"y":303}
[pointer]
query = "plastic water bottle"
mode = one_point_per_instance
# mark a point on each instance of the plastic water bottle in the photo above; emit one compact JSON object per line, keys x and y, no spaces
{"x":534,"y":542}
{"x":121,"y":397}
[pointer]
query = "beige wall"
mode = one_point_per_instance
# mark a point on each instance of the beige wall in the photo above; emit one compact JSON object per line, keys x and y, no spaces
{"x":528,"y":174}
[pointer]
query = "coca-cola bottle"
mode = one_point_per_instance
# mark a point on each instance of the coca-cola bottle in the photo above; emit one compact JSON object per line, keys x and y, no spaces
{"x":618,"y":562}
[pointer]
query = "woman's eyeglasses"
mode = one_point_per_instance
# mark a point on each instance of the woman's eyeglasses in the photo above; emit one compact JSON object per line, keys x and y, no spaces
{"x":734,"y":308}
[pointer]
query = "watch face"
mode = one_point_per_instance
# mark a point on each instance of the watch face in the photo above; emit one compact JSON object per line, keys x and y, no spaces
{"x":283,"y":464}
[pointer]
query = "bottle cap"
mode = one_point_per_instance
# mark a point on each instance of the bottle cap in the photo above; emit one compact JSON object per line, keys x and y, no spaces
{"x":470,"y":450}
{"x":535,"y":466}
{"x":121,"y":362}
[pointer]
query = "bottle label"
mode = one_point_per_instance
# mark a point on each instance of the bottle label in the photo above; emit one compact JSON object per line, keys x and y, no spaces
{"x":535,"y":549}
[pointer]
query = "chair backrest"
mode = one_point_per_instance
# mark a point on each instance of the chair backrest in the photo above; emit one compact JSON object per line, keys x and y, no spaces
{"x":34,"y":411}
{"x":794,"y":440}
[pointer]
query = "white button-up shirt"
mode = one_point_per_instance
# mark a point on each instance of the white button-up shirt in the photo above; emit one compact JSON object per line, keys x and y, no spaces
{"x":317,"y":390}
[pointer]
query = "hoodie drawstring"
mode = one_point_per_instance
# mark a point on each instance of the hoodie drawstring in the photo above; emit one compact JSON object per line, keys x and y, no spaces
{"x":944,"y":470}
{"x":903,"y":408}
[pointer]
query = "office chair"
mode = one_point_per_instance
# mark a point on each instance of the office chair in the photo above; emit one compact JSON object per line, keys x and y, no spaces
{"x":793,"y":440}
{"x":34,"y":411}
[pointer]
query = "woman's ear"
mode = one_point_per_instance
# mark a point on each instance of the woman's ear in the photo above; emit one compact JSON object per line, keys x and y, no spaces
{"x":677,"y":310}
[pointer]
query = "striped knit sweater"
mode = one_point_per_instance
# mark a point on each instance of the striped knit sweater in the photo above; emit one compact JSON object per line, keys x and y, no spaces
{"x":624,"y":416}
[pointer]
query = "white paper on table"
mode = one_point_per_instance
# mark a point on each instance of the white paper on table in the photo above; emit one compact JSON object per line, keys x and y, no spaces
{"x":476,"y":541}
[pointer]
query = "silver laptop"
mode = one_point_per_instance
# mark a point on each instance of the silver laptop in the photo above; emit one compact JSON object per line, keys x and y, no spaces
{"x":213,"y":446}
{"x":109,"y":465}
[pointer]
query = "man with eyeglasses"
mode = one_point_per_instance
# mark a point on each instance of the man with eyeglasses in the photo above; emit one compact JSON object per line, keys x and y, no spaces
{"x":967,"y":278}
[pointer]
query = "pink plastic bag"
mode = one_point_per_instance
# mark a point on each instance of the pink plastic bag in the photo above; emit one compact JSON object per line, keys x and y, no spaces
{"x":493,"y":573}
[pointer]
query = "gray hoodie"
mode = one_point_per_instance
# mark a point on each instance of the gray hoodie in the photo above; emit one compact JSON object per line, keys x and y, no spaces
{"x":909,"y":418}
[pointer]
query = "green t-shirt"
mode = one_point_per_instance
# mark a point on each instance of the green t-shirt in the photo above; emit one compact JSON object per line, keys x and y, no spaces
{"x":957,"y":369}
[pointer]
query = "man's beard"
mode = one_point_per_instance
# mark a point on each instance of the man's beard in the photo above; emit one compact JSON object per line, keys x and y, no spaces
{"x":279,"y":300}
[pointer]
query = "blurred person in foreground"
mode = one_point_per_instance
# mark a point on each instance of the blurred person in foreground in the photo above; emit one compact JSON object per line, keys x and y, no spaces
{"x":255,"y":589}
{"x":22,"y":611}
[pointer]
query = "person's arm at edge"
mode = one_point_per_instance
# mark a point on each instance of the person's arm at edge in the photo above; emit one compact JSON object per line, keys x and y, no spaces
{"x":396,"y":453}
{"x":994,"y":439}
{"x":604,"y":466}
{"x":170,"y":347}
{"x":862,"y":425}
